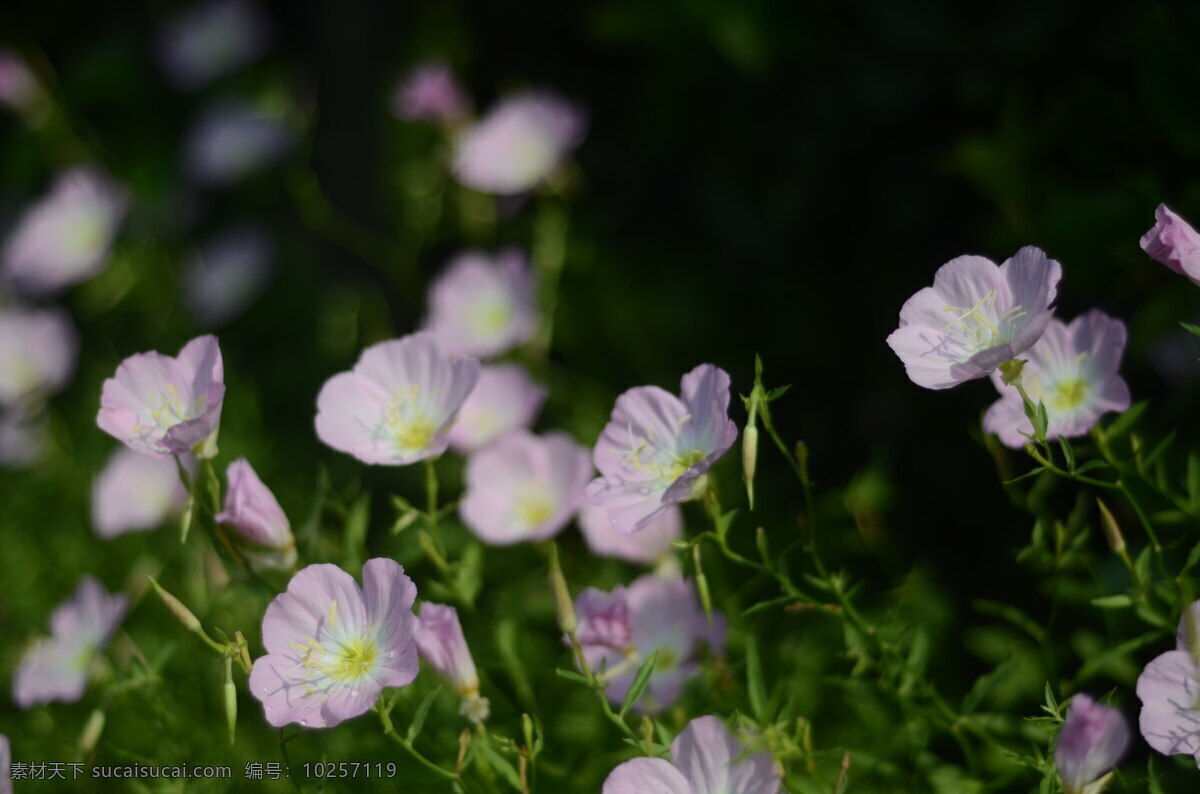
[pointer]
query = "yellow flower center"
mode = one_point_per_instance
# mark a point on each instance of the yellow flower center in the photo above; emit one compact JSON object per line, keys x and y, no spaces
{"x":533,"y":507}
{"x":1068,"y":394}
{"x":352,"y":661}
{"x":407,"y":424}
{"x":493,"y":318}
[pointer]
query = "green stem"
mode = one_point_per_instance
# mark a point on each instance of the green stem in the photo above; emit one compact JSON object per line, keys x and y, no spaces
{"x":386,"y":720}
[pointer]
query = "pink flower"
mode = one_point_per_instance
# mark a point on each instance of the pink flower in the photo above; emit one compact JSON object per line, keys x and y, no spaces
{"x":23,"y":437}
{"x":65,"y":238}
{"x":58,"y":667}
{"x":657,"y":447}
{"x":5,"y":763}
{"x":1169,"y":688}
{"x":252,"y":510}
{"x":430,"y":92}
{"x":211,"y":39}
{"x":226,"y":274}
{"x":19,"y":89}
{"x":975,"y":317}
{"x":398,"y":403}
{"x":441,"y":643}
{"x":705,"y":759}
{"x":483,"y":306}
{"x":231,"y":141}
{"x":519,"y":143}
{"x":159,"y":405}
{"x":620,"y":630}
{"x":1073,"y":370}
{"x":136,"y":492}
{"x":524,"y":487}
{"x":648,"y":546}
{"x":38,"y":348}
{"x":505,"y":399}
{"x":1091,"y":742}
{"x":1173,"y":242}
{"x":332,"y":648}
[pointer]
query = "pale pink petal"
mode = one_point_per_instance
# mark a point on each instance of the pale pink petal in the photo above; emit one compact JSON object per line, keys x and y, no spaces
{"x":646,"y":776}
{"x":707,"y":754}
{"x":1169,"y":690}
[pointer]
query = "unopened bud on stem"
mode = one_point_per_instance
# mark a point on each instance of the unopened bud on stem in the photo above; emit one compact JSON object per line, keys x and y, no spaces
{"x":564,"y":607}
{"x":1112,"y":531}
{"x":176,"y":608}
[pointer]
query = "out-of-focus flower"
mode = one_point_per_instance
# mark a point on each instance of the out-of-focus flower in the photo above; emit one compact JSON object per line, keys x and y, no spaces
{"x":430,"y":92}
{"x":647,"y":546}
{"x":19,"y":89}
{"x":58,"y":667}
{"x":231,"y":141}
{"x":1169,"y":688}
{"x":1173,"y":242}
{"x":1091,"y":742}
{"x":657,"y":447}
{"x":441,"y":643}
{"x":332,"y":648}
{"x":136,"y":492}
{"x":252,"y":510}
{"x":975,"y":317}
{"x":619,"y":630}
{"x":5,"y":763}
{"x":1073,"y":370}
{"x":397,"y":405}
{"x":211,"y":39}
{"x":65,"y":237}
{"x":524,"y":487}
{"x":519,"y":143}
{"x":38,"y":349}
{"x":22,"y":437}
{"x":505,"y":399}
{"x":159,"y":405}
{"x":226,"y":274}
{"x":705,"y":759}
{"x":483,"y":306}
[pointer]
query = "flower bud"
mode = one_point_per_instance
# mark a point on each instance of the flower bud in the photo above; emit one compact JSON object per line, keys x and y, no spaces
{"x":1112,"y":531}
{"x":230,"y":699}
{"x":749,"y":459}
{"x":564,"y":607}
{"x":252,"y":510}
{"x":91,"y":732}
{"x":176,"y":608}
{"x":440,"y":642}
{"x":1092,"y":740}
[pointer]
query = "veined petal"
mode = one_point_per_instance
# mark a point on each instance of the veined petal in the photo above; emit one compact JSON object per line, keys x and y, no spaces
{"x":707,"y":754}
{"x":646,"y":776}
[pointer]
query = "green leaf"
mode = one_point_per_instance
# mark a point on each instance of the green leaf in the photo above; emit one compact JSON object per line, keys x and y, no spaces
{"x":1031,"y":473}
{"x":1092,"y":465}
{"x":356,"y":531}
{"x":1193,"y":478}
{"x":418,"y":720}
{"x":571,"y":675}
{"x":640,"y":682}
{"x":754,"y":682}
{"x":1051,"y":701}
{"x":1192,"y":559}
{"x":501,"y":764}
{"x":985,"y":685}
{"x":763,"y":606}
{"x":469,"y":572}
{"x":1120,"y":601}
{"x":1124,"y":423}
{"x":777,"y":392}
{"x":1068,"y":452}
{"x":1191,"y":329}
